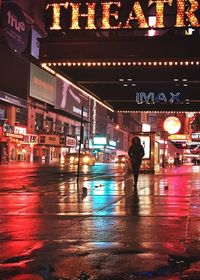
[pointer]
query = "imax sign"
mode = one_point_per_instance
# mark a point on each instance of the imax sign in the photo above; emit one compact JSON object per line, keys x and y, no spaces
{"x":160,"y":98}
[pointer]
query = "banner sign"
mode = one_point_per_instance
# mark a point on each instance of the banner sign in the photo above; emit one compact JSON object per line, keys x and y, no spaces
{"x":31,"y":139}
{"x":53,"y":140}
{"x":14,"y":26}
{"x":35,"y":44}
{"x":196,"y":136}
{"x":107,"y":15}
{"x":13,"y":99}
{"x":70,"y":141}
{"x":71,"y":100}
{"x":179,"y":137}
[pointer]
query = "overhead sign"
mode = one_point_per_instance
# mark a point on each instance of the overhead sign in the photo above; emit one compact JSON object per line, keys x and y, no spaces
{"x":31,"y":139}
{"x":196,"y":136}
{"x":160,"y":97}
{"x":14,"y":132}
{"x":35,"y":44}
{"x":112,"y":143}
{"x":14,"y":26}
{"x":107,"y":14}
{"x":12,"y":99}
{"x":184,"y":98}
{"x":54,"y":140}
{"x":99,"y":140}
{"x":70,"y":141}
{"x":179,"y":137}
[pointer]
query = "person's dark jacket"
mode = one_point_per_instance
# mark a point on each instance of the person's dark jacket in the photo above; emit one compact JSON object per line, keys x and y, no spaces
{"x":136,"y":153}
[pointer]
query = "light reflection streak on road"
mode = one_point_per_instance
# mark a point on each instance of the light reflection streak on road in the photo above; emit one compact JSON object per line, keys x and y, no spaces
{"x":19,"y":227}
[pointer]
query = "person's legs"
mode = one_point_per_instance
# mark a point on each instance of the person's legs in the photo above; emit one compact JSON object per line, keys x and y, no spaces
{"x":135,"y":168}
{"x":135,"y":175}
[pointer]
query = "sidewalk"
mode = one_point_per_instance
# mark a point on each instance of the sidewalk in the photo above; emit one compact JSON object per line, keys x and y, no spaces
{"x":113,"y":232}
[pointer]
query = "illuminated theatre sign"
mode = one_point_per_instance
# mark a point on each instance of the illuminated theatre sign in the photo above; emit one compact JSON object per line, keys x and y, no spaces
{"x":161,"y":98}
{"x":185,"y":14}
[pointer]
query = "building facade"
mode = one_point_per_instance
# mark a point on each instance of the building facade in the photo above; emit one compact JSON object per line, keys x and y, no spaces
{"x":40,"y":112}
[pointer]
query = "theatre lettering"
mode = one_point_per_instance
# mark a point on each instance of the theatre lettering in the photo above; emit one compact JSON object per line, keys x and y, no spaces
{"x":106,"y":15}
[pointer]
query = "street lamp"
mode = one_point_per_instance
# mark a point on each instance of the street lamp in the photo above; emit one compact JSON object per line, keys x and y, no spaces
{"x":172,"y":125}
{"x":79,"y":149}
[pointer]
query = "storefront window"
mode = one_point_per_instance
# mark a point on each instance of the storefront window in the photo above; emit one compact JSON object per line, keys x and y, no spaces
{"x":3,"y":152}
{"x":66,"y":128}
{"x":2,"y":114}
{"x":21,"y":116}
{"x":72,"y":130}
{"x":58,"y":126}
{"x":38,"y":122}
{"x":49,"y":124}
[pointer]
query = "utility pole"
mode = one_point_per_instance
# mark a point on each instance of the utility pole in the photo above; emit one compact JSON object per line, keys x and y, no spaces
{"x":79,"y":150}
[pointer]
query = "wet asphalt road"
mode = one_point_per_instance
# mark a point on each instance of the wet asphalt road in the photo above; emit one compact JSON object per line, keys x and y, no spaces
{"x":49,"y":231}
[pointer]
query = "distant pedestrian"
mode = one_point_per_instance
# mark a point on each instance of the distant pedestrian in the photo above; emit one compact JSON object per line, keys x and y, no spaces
{"x":177,"y":160}
{"x":198,"y":160}
{"x":136,"y":153}
{"x":194,"y":161}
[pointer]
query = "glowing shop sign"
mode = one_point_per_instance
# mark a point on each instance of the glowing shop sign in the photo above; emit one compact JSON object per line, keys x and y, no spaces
{"x":196,"y":135}
{"x":185,"y":14}
{"x":160,"y":98}
{"x":179,"y":137}
{"x":112,"y":143}
{"x":99,"y":141}
{"x":20,"y":130}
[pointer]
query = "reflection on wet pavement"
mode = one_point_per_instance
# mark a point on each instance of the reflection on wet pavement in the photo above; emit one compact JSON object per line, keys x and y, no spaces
{"x":48,"y":230}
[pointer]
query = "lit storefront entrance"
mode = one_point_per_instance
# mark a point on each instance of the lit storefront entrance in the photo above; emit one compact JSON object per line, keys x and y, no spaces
{"x":16,"y":144}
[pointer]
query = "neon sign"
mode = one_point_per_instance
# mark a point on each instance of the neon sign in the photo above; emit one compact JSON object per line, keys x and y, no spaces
{"x":19,"y":130}
{"x":109,"y":15}
{"x":160,"y":98}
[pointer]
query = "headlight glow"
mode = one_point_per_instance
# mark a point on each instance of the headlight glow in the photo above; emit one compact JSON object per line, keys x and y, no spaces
{"x":86,"y":159}
{"x":71,"y":159}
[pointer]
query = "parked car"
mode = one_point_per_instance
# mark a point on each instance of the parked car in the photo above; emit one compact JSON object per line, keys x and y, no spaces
{"x":85,"y":158}
{"x":121,"y":159}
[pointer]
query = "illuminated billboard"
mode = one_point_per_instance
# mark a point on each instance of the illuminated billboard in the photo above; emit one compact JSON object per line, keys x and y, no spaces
{"x":71,"y":100}
{"x":42,"y":85}
{"x":145,"y":141}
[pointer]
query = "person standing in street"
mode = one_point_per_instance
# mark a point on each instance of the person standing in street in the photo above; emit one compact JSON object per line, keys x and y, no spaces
{"x":136,"y":153}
